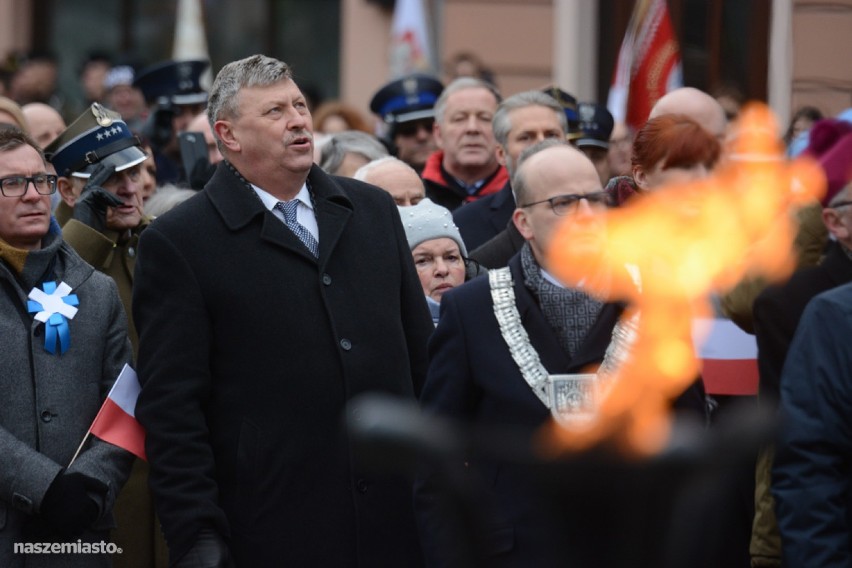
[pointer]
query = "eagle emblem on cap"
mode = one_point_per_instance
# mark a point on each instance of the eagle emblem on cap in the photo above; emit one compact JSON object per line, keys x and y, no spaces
{"x":587,"y":112}
{"x":409,"y":85}
{"x":102,"y":115}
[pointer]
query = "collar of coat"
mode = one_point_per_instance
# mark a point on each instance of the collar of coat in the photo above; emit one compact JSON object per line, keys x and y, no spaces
{"x":238,"y":204}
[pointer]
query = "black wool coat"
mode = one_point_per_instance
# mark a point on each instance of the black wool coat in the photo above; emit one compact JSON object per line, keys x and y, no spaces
{"x":249,"y":350}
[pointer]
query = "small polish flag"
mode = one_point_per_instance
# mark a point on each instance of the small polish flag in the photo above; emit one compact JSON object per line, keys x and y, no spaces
{"x":728,"y":357}
{"x":116,"y":420}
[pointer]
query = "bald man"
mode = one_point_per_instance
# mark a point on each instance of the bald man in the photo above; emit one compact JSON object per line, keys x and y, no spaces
{"x":396,"y":177}
{"x":473,"y":376}
{"x":45,"y":123}
{"x":697,"y":105}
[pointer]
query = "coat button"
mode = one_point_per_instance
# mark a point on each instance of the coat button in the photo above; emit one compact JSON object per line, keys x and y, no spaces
{"x":46,"y":416}
{"x":131,"y":252}
{"x":326,"y":279}
{"x":361,"y":485}
{"x":346,"y":344}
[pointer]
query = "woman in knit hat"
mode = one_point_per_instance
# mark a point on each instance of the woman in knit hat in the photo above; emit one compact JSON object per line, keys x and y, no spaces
{"x":438,"y":250}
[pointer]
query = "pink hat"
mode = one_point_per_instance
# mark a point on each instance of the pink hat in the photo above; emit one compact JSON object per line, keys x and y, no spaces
{"x":837,"y":163}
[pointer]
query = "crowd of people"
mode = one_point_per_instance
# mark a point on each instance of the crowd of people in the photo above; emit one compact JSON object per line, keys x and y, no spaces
{"x":262,"y":264}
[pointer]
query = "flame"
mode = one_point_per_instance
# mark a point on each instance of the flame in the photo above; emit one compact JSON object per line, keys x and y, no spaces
{"x":686,"y":242}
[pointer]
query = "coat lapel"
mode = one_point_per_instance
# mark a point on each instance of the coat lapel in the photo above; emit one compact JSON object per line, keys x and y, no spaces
{"x":238,"y":205}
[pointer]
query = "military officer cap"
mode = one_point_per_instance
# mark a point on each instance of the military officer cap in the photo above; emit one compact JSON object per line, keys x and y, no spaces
{"x":596,"y":125}
{"x":569,"y":104}
{"x":99,"y":135}
{"x":408,"y":98}
{"x":177,"y":82}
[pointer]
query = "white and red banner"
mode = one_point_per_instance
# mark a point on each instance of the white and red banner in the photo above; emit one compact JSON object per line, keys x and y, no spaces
{"x":411,"y":44}
{"x":648,"y":64}
{"x":728,"y":357}
{"x":116,"y":420}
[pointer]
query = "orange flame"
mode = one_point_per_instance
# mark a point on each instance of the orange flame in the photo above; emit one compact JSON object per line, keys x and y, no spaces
{"x":686,"y":242}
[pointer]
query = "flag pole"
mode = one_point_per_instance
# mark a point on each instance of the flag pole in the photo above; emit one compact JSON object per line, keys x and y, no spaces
{"x":80,"y":447}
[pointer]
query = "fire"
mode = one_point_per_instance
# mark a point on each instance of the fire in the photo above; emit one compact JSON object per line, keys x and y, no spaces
{"x":686,"y":243}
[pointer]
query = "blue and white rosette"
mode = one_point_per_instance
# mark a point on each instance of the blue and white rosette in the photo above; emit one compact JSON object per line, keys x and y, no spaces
{"x":54,"y":306}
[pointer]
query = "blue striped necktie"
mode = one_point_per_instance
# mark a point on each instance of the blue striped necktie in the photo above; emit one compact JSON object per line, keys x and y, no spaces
{"x":288,"y":208}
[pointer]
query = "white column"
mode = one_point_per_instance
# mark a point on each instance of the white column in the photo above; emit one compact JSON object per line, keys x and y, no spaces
{"x":575,"y":45}
{"x":780,"y":80}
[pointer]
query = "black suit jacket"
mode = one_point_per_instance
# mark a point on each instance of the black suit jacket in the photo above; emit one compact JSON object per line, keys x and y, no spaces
{"x":778,"y":309}
{"x":249,"y":350}
{"x":481,"y":220}
{"x":496,"y":252}
{"x":472,"y":377}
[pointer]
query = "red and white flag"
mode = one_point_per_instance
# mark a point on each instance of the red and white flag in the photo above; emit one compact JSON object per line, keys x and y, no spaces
{"x":116,"y":420}
{"x":648,"y":64}
{"x":728,"y":357}
{"x":411,"y":46}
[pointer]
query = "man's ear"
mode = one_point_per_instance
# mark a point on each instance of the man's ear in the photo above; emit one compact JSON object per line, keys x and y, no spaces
{"x":225,"y":132}
{"x":640,"y":178}
{"x":501,"y":155}
{"x":519,"y":218}
{"x":65,"y":187}
{"x":436,"y":134}
{"x":834,"y":224}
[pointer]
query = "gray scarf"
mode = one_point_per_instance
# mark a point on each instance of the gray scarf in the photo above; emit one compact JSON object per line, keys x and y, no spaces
{"x":571,"y":313}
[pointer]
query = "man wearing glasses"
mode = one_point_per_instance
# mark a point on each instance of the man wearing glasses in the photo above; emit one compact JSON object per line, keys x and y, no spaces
{"x":64,"y":343}
{"x":475,"y":373}
{"x":406,"y":107}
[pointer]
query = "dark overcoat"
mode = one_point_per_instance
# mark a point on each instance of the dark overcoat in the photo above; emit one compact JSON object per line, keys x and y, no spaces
{"x":483,"y":219}
{"x":472,"y":377}
{"x":249,"y":350}
{"x":777,"y":311}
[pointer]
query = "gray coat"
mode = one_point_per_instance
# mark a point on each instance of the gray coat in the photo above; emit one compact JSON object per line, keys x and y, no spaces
{"x":50,"y":400}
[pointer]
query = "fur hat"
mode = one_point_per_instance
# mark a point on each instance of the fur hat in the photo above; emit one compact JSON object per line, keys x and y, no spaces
{"x":426,"y":221}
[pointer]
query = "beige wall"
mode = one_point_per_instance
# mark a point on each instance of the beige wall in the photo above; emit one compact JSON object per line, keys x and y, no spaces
{"x":515,"y":38}
{"x":822,"y":46}
{"x":15,"y":24}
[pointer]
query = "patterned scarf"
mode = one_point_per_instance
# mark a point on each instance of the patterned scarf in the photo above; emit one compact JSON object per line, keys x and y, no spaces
{"x":571,"y":313}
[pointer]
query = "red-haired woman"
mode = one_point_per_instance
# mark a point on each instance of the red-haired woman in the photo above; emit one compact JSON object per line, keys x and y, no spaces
{"x":671,"y":148}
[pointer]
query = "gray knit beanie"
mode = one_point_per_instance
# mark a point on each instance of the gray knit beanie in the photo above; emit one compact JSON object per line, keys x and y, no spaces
{"x":426,"y":221}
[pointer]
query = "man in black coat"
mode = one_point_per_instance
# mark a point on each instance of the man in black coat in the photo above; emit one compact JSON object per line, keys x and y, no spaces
{"x":473,"y":375}
{"x":777,"y":311}
{"x":264,"y":304}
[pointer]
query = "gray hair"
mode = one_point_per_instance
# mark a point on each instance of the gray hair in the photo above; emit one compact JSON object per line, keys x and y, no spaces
{"x":257,"y":70}
{"x":349,"y":142}
{"x":364,"y":171}
{"x":461,"y":84}
{"x":844,"y":194}
{"x":519,"y":182}
{"x":501,"y":123}
{"x":165,"y":198}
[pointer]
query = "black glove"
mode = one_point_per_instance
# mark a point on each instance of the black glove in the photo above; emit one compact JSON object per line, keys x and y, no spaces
{"x":91,"y":207}
{"x":67,"y":506}
{"x":209,"y":551}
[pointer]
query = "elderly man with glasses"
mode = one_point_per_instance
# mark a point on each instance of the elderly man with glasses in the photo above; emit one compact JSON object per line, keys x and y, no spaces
{"x":64,"y":343}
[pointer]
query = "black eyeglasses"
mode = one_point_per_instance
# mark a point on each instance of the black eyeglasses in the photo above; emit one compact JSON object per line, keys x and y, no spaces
{"x":16,"y":186}
{"x":839,"y":204}
{"x":565,"y":204}
{"x":412,"y":127}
